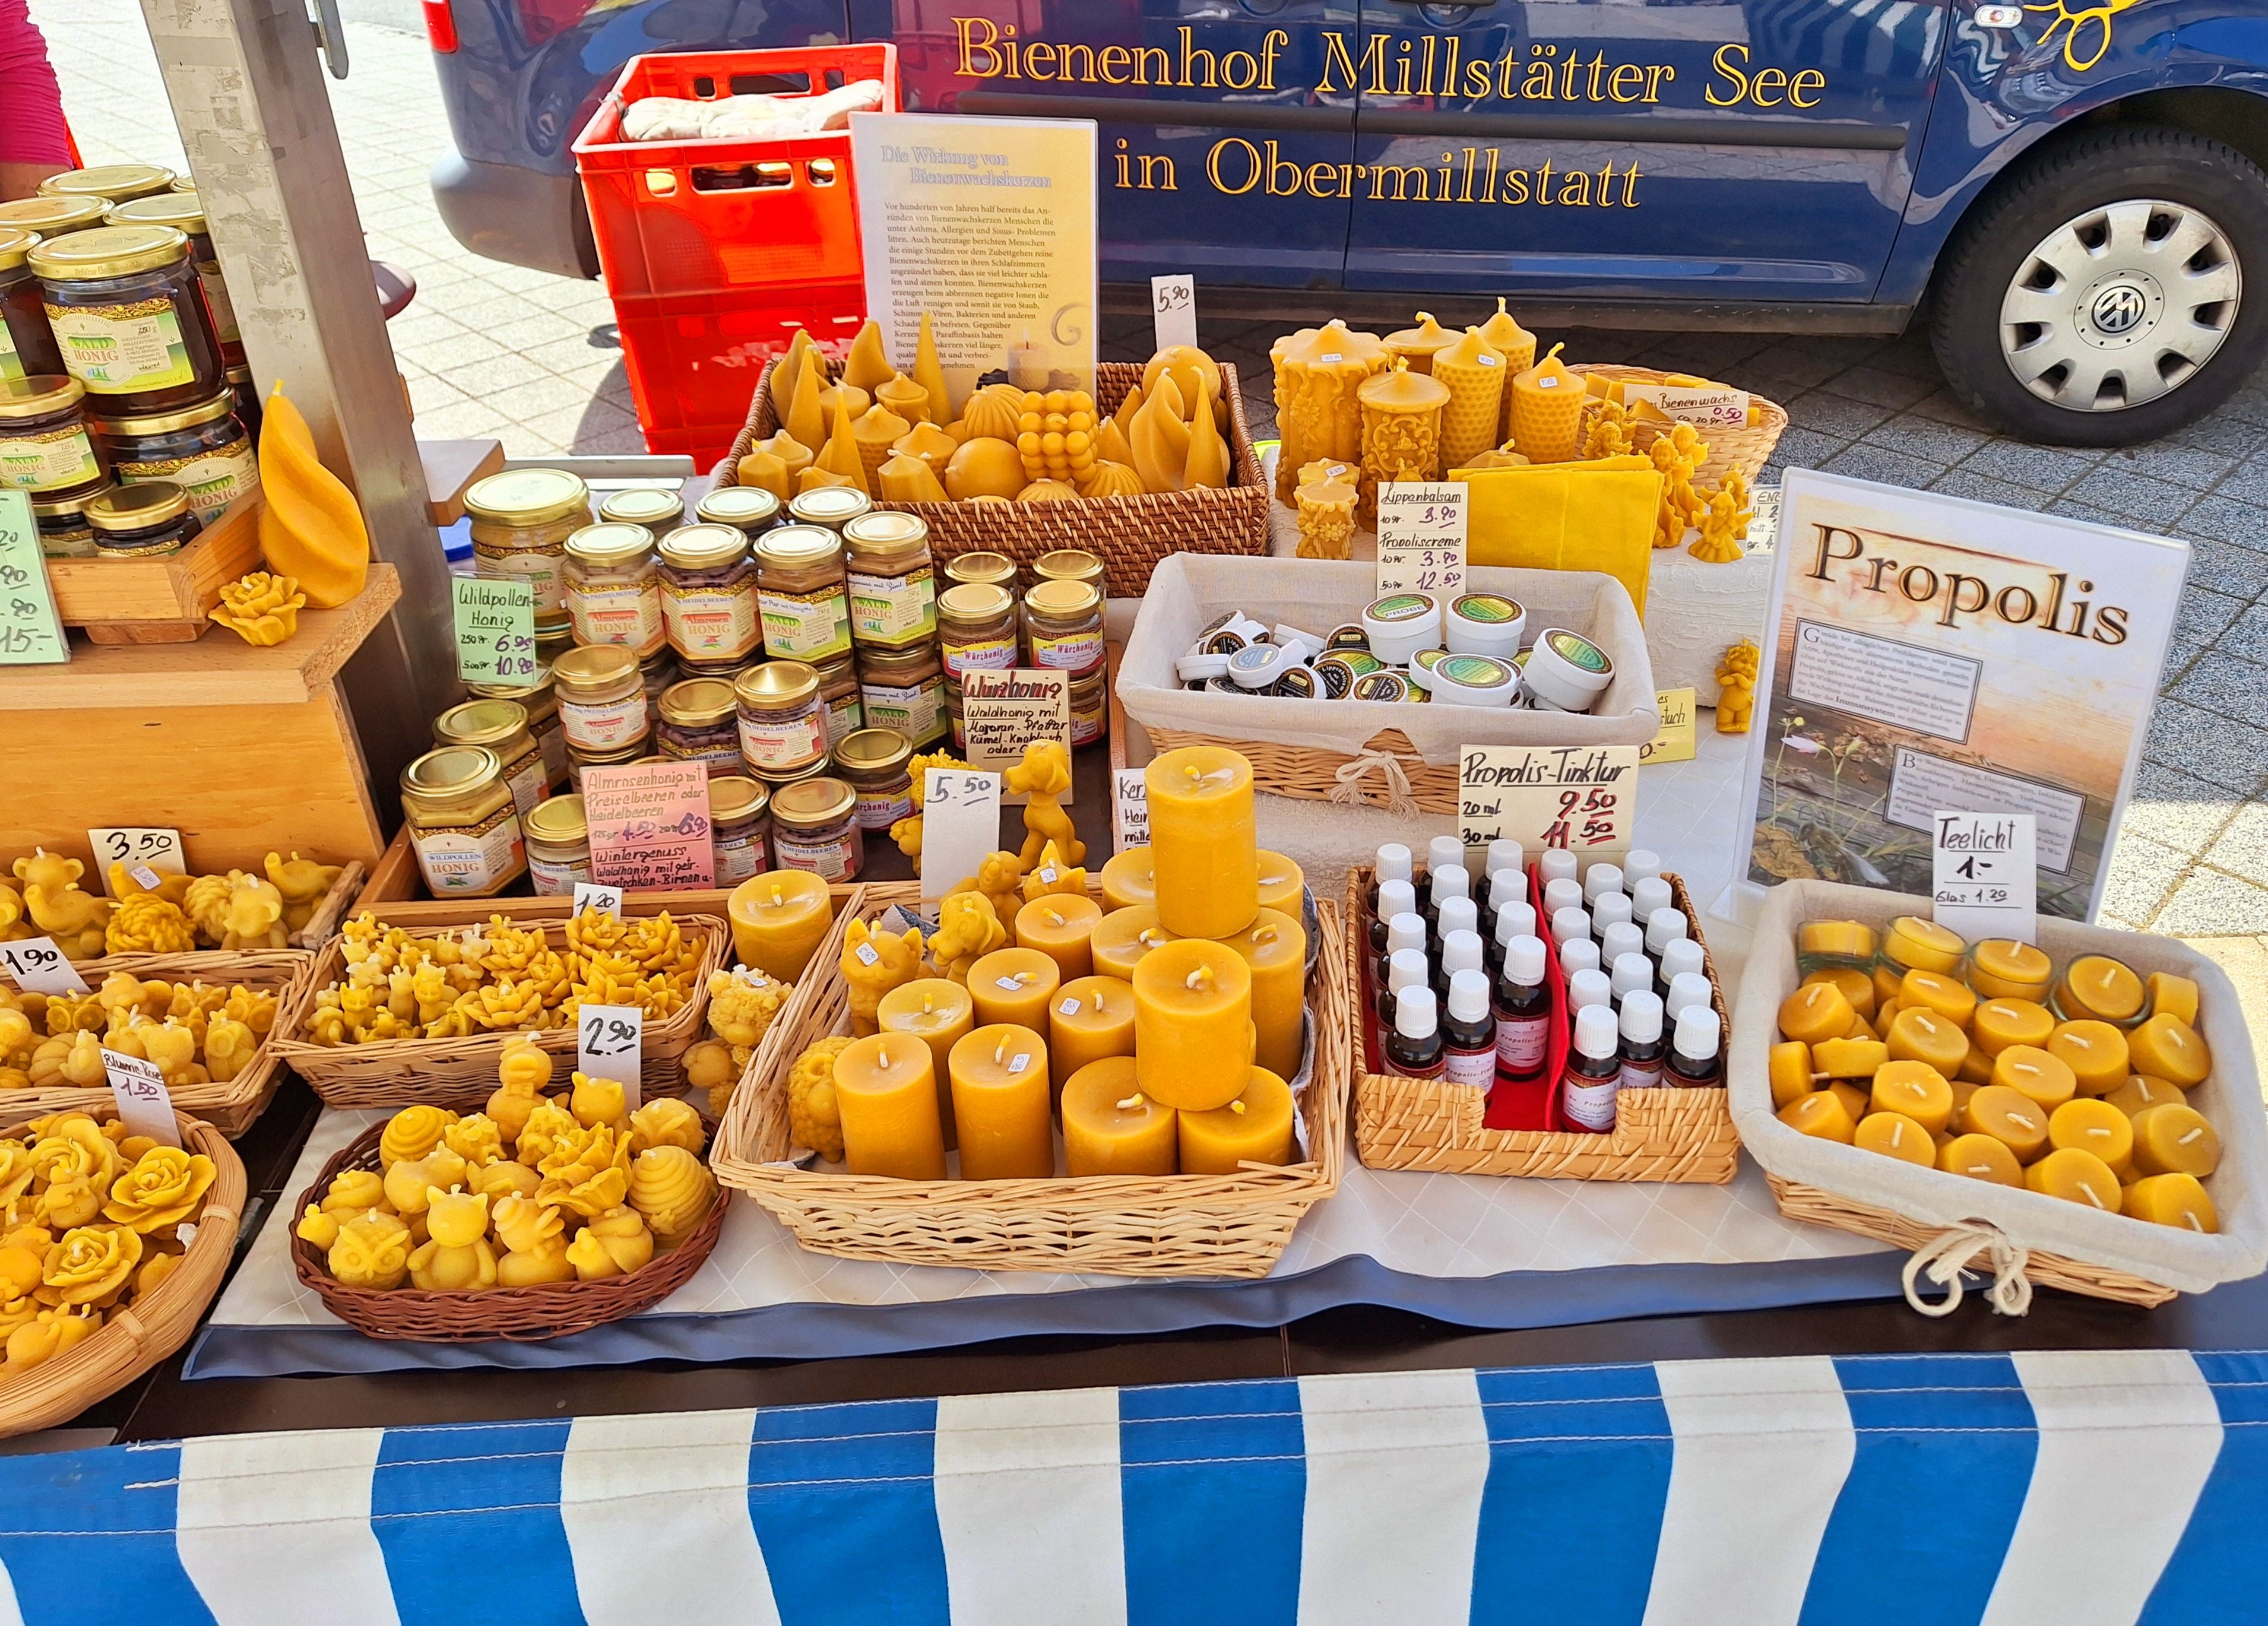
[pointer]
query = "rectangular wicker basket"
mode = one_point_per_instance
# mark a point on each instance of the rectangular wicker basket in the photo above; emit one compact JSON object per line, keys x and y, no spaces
{"x":462,"y":1072}
{"x":231,"y":1105}
{"x":1148,"y":1226}
{"x":1130,"y":534}
{"x":1668,"y":1134}
{"x":1747,"y":448}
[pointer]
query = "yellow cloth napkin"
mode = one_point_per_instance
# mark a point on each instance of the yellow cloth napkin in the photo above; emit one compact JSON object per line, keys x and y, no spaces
{"x":1590,"y":516}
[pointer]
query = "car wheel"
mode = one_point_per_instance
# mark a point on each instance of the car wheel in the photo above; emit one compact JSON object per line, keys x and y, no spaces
{"x":2108,"y":292}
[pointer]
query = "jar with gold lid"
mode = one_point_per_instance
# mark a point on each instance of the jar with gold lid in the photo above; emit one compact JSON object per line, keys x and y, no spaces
{"x":51,"y":217}
{"x":1062,"y":626}
{"x":873,"y":762}
{"x":828,"y":507}
{"x":782,"y":722}
{"x":838,"y":697}
{"x":802,"y":592}
{"x":27,"y":347}
{"x":698,"y":723}
{"x":130,"y":316}
{"x":1090,"y":708}
{"x":750,"y":510}
{"x":178,"y":206}
{"x":110,"y":183}
{"x":982,"y":568}
{"x":1070,"y":564}
{"x":45,"y":446}
{"x":247,"y":401}
{"x":709,"y":594}
{"x":903,"y":689}
{"x":893,"y":587}
{"x":64,"y":531}
{"x":463,"y":824}
{"x":613,"y":586}
{"x":579,"y":761}
{"x":522,"y":519}
{"x":774,"y":782}
{"x":815,"y":827}
{"x":601,"y":699}
{"x":658,"y":510}
{"x":558,"y":846}
{"x":147,"y":521}
{"x":976,"y":629}
{"x":202,"y":447}
{"x":740,"y":827}
{"x":501,"y":726}
{"x":539,"y":700}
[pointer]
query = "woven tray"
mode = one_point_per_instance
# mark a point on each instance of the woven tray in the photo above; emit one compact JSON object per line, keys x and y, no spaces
{"x":1149,"y":1225}
{"x":1747,"y":448}
{"x":132,"y":1341}
{"x":230,"y":1106}
{"x":1666,"y":1133}
{"x":461,"y":1073}
{"x":1130,"y":534}
{"x":1389,"y":774}
{"x":518,"y":1314}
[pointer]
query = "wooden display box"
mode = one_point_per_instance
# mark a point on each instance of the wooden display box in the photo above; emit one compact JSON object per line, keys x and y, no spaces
{"x":158,"y":600}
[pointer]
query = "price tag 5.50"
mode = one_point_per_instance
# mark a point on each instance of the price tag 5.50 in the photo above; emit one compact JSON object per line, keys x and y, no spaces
{"x":143,"y":1104}
{"x":610,"y":1043}
{"x":961,"y":827}
{"x":38,"y":966}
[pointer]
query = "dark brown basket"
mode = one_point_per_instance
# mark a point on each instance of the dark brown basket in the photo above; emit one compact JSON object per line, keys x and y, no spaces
{"x":1130,"y":534}
{"x":520,"y":1314}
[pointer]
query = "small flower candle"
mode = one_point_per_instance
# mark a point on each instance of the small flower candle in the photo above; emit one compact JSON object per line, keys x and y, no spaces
{"x":1327,"y":519}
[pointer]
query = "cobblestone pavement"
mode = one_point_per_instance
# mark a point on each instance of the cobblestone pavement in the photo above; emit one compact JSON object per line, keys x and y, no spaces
{"x":491,"y":350}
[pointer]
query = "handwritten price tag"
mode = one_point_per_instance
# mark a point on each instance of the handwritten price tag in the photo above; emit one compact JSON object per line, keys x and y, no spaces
{"x":144,"y":1103}
{"x":610,"y":1043}
{"x":496,"y":631}
{"x":648,"y":826}
{"x":1984,"y":869}
{"x":142,"y":849}
{"x":1421,"y":537}
{"x":961,"y":827}
{"x":606,"y":899}
{"x":38,"y":966}
{"x":31,"y":632}
{"x":1580,"y":798}
{"x":1129,"y":808}
{"x":1174,"y":310}
{"x":1676,"y":741}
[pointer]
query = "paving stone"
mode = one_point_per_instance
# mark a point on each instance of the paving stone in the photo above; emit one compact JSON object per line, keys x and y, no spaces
{"x":2238,"y":571}
{"x":2227,"y":684}
{"x":2228,"y":520}
{"x":2175,"y":811}
{"x":2205,"y":615}
{"x":1933,"y":442}
{"x":2247,"y":635}
{"x":1983,"y":489}
{"x":2210,"y":902}
{"x":2142,"y":873}
{"x":2207,"y":746}
{"x":2242,"y":847}
{"x":1878,"y":388}
{"x":2154,"y":504}
{"x":1834,"y":414}
{"x":1863,"y":462}
{"x":2194,"y":466}
{"x":2046,"y":470}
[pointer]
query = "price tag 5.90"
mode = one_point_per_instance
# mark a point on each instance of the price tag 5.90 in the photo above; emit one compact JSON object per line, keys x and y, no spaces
{"x":1174,"y":310}
{"x":143,"y":1104}
{"x":38,"y":966}
{"x":610,"y":1043}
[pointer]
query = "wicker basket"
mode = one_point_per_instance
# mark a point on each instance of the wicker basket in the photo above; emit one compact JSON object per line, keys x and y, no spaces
{"x":1666,"y":1133}
{"x":1747,"y":448}
{"x":1388,"y":775}
{"x":132,"y":1341}
{"x":518,"y":1314}
{"x":230,"y":1106}
{"x":1145,"y":1225}
{"x":461,"y":1073}
{"x":1130,"y":534}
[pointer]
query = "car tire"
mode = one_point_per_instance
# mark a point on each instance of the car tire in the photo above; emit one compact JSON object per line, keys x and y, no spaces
{"x":2067,"y":237}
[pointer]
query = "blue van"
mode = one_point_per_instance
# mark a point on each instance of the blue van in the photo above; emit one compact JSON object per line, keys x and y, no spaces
{"x":2071,"y":194}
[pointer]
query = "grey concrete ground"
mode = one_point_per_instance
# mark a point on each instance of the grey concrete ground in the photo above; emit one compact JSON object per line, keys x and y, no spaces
{"x":490,"y":350}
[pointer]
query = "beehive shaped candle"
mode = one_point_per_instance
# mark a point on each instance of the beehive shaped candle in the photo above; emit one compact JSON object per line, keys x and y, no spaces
{"x":1318,"y":369}
{"x":766,"y":471}
{"x":929,"y":372}
{"x":840,"y":454}
{"x":1326,"y":520}
{"x":867,"y":366}
{"x":1547,"y":411}
{"x":1160,"y":438}
{"x":311,"y":527}
{"x":1420,"y":344}
{"x":802,"y":417}
{"x":878,"y":428}
{"x":1207,"y":464}
{"x":1401,"y":430}
{"x":1473,"y":370}
{"x":902,"y":395}
{"x":905,"y":479}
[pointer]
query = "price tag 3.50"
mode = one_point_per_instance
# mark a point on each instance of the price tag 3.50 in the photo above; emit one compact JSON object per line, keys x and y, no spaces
{"x":610,"y":1043}
{"x":961,"y":827}
{"x":143,"y":848}
{"x":1421,"y":538}
{"x":1984,"y":873}
{"x":38,"y":966}
{"x":606,"y":899}
{"x":143,"y":1104}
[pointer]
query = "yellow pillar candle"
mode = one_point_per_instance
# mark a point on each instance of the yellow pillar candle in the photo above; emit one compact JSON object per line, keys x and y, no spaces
{"x":1857,"y":987}
{"x":852,"y":398}
{"x":2098,"y":988}
{"x":1000,"y":1104}
{"x":1845,"y":940}
{"x":778,"y":919}
{"x":2166,"y":1046}
{"x":1192,"y":1024}
{"x":1128,"y":879}
{"x":1400,"y":435}
{"x":1851,"y":1093}
{"x":1475,"y":373}
{"x":1014,"y":986}
{"x":1204,"y":849}
{"x":2140,"y":1093}
{"x":1123,"y":937}
{"x":2003,"y":968}
{"x":1283,"y":886}
{"x":1924,"y":1036}
{"x":1419,"y":346}
{"x":2176,"y":1139}
{"x":1091,"y":1018}
{"x":1953,"y":1000}
{"x":1517,"y":345}
{"x":2173,"y":995}
{"x":2039,"y":1076}
{"x":938,"y":1013}
{"x":1895,"y":1135}
{"x":1820,"y":1115}
{"x":2095,"y":1051}
{"x":1318,"y":369}
{"x":2095,"y":1126}
{"x":1816,"y":1012}
{"x":1980,"y":1156}
{"x":2016,"y":1122}
{"x":1255,"y":1127}
{"x":1110,"y":1127}
{"x":1547,"y":411}
{"x":1849,"y":1058}
{"x":1789,"y":1066}
{"x":1274,"y":948}
{"x":2076,"y":1177}
{"x":2000,"y":1022}
{"x":1919,"y":1092}
{"x":1061,"y":926}
{"x":1327,"y":519}
{"x":2175,"y":1200}
{"x":885,"y":1087}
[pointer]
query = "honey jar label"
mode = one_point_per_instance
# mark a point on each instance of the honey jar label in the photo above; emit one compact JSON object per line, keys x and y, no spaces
{"x":551,"y":739}
{"x":526,"y":780}
{"x":918,"y":713}
{"x":781,"y":745}
{"x":1074,"y":652}
{"x":49,"y":460}
{"x":878,"y":810}
{"x":540,"y":571}
{"x":224,"y":311}
{"x":630,"y":616}
{"x":709,"y":624}
{"x":830,"y":858}
{"x":11,"y":361}
{"x":211,"y":480}
{"x":602,"y":728}
{"x":892,"y":609}
{"x":804,"y":626}
{"x":557,"y":878}
{"x":116,"y":348}
{"x":844,"y":716}
{"x":739,"y":857}
{"x":984,"y":655}
{"x":469,"y":860}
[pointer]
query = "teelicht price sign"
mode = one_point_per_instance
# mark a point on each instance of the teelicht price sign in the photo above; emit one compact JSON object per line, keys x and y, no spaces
{"x":1421,"y":537}
{"x":496,"y":631}
{"x":1580,"y":798}
{"x":1985,"y":873}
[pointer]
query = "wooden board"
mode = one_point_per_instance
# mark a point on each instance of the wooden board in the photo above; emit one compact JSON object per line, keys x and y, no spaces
{"x":177,"y":592}
{"x":450,"y":466}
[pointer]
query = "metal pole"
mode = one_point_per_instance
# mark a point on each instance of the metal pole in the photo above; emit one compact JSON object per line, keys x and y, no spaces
{"x":248,"y":94}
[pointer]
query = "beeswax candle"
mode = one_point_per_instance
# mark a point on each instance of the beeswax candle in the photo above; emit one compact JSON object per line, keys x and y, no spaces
{"x":930,"y":444}
{"x":1473,"y":369}
{"x":778,"y":918}
{"x":1895,"y":1135}
{"x":1857,"y":987}
{"x":902,"y":395}
{"x":1924,"y":1036}
{"x":1789,"y":1066}
{"x":1980,"y":1156}
{"x":767,"y":471}
{"x":875,"y":431}
{"x":2176,"y":1200}
{"x":1193,"y":1035}
{"x":1517,"y":345}
{"x":1061,"y":927}
{"x":794,"y":456}
{"x":2095,"y":1126}
{"x":2166,"y":1046}
{"x":2015,"y":1121}
{"x":1852,"y":1094}
{"x":1849,"y":1058}
{"x":1547,"y":411}
{"x":1327,"y":519}
{"x":1000,"y":1103}
{"x":2002,"y":1022}
{"x":1816,"y":1012}
{"x":2076,"y":1177}
{"x":1128,"y":879}
{"x":2140,"y":1092}
{"x":1122,"y":938}
{"x":2173,"y":995}
{"x":1913,"y":944}
{"x":1419,"y":346}
{"x":1318,"y":370}
{"x":938,"y":1013}
{"x":2176,"y":1139}
{"x":1014,"y":986}
{"x":1274,"y":948}
{"x":1091,"y":1017}
{"x":885,"y":1087}
{"x":904,"y":478}
{"x":2098,"y":988}
{"x":1820,"y":1115}
{"x":1934,"y":990}
{"x":1832,"y":940}
{"x":867,"y":365}
{"x":2095,"y":1051}
{"x":1203,"y":850}
{"x":1976,"y":1067}
{"x":2038,"y":1075}
{"x":1110,"y":1127}
{"x":1401,"y":434}
{"x":929,"y":372}
{"x":1255,"y":1127}
{"x":1919,"y":1092}
{"x":1282,"y":884}
{"x":2002,"y":969}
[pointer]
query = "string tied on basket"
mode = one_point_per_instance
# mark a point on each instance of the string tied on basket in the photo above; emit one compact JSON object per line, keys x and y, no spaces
{"x":1355,"y":770}
{"x":1953,"y":1250}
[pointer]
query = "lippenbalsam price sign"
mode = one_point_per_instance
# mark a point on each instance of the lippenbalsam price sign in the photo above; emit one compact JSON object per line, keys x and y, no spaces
{"x":1985,"y":873}
{"x":610,"y":1043}
{"x":496,"y":631}
{"x":1421,"y":538}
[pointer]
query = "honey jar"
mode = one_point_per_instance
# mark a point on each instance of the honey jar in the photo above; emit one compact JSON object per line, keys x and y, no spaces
{"x":521,"y":523}
{"x":501,"y":726}
{"x":541,"y":701}
{"x":828,"y":507}
{"x":750,"y":510}
{"x":130,"y":317}
{"x":658,"y":510}
{"x":179,"y":207}
{"x":1070,"y":564}
{"x":709,"y":596}
{"x":838,"y":698}
{"x":613,"y":586}
{"x":904,"y":689}
{"x":783,"y":725}
{"x":111,"y":183}
{"x":873,"y":762}
{"x":815,"y":827}
{"x":802,"y":591}
{"x":45,"y":448}
{"x":739,"y":828}
{"x":148,"y":521}
{"x":463,"y":824}
{"x":1062,"y":626}
{"x":27,"y":347}
{"x":558,"y":846}
{"x":697,"y":725}
{"x":981,"y":568}
{"x":601,"y":699}
{"x":892,"y":588}
{"x":202,"y":448}
{"x":976,"y":629}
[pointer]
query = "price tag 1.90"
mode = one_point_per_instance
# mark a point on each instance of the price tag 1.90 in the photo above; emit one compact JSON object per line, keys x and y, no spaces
{"x":139,"y":848}
{"x":1986,"y":875}
{"x":1174,"y":310}
{"x":606,"y":899}
{"x":1130,"y":807}
{"x":144,"y":1105}
{"x":38,"y":966}
{"x":961,"y":827}
{"x":1421,"y":538}
{"x":610,"y":1043}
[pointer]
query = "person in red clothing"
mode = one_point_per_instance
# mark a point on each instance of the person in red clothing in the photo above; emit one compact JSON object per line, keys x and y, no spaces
{"x":34,"y":141}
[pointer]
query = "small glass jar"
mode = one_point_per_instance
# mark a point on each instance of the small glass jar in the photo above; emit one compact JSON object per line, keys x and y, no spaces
{"x":776,"y":782}
{"x":539,"y":700}
{"x":658,"y":510}
{"x":750,"y":510}
{"x":501,"y":726}
{"x":64,"y":531}
{"x":45,"y":445}
{"x":802,"y":592}
{"x":51,"y":217}
{"x":982,"y":568}
{"x":558,"y":846}
{"x":579,"y":761}
{"x":739,"y":828}
{"x":1070,"y":564}
{"x":178,"y":206}
{"x":828,"y":507}
{"x":698,"y":725}
{"x":247,"y":401}
{"x":976,"y":629}
{"x":613,"y":585}
{"x":27,"y":347}
{"x":148,"y":521}
{"x":838,"y":694}
{"x":903,"y":689}
{"x":1090,"y":708}
{"x":201,"y":448}
{"x":601,"y":699}
{"x":783,"y":722}
{"x":521,"y":523}
{"x":1062,"y":627}
{"x":815,"y":827}
{"x":464,"y":825}
{"x":892,"y":586}
{"x":709,"y":594}
{"x":873,"y":763}
{"x":656,"y":672}
{"x":112,"y":183}
{"x":130,"y":316}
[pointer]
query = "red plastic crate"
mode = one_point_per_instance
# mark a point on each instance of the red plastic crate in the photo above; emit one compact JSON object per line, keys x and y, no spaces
{"x":694,"y":360}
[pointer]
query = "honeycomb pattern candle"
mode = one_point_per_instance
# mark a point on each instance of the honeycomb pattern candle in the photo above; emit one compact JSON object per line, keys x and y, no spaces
{"x":1401,"y":430}
{"x":1318,"y":369}
{"x":1473,"y":369}
{"x":1547,"y":411}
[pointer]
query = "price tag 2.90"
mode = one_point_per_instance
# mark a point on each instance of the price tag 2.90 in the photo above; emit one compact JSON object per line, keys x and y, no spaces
{"x":38,"y":966}
{"x":610,"y":1043}
{"x":1421,"y":538}
{"x":961,"y":827}
{"x":144,"y":1105}
{"x":606,"y":899}
{"x":1986,"y":875}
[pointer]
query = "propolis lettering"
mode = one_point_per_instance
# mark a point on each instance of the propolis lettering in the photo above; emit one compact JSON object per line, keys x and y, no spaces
{"x":1954,"y":593}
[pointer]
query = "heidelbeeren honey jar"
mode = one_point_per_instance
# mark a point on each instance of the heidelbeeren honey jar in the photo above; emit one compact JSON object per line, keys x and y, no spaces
{"x":521,"y":523}
{"x":698,"y":723}
{"x":783,"y":722}
{"x":613,"y":586}
{"x":501,"y":726}
{"x":463,"y":825}
{"x":130,"y":316}
{"x":558,"y":846}
{"x":739,"y":828}
{"x":601,"y":699}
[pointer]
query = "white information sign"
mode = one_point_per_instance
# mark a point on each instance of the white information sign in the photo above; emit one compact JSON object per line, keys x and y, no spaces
{"x":961,"y":827}
{"x":1986,"y":870}
{"x":1421,"y":537}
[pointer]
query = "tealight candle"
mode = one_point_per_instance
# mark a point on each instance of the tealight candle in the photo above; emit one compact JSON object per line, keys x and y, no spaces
{"x":1914,"y":943}
{"x":2095,"y":987}
{"x":1202,"y":847}
{"x":1953,"y":1000}
{"x":1980,"y":1156}
{"x":2003,"y":968}
{"x":1283,"y":885}
{"x":1789,"y":1066}
{"x":1853,"y":1097}
{"x":1849,"y":1058}
{"x":1000,"y":1101}
{"x":1963,"y":1089}
{"x":1014,"y":986}
{"x":938,"y":1013}
{"x":2173,"y":995}
{"x":885,"y":1089}
{"x":1274,"y":948}
{"x":1857,"y":986}
{"x":1816,"y":1012}
{"x":1843,"y":942}
{"x":778,"y":919}
{"x":1193,"y":1035}
{"x":1917,"y":1091}
{"x":1255,"y":1127}
{"x":1061,"y":926}
{"x":1820,"y":1116}
{"x":1919,"y":1035}
{"x":2095,"y":1127}
{"x":1895,"y":1135}
{"x":2039,"y":1076}
{"x":2166,"y":1046}
{"x":2095,"y":1051}
{"x":1110,"y":1127}
{"x":2000,"y":1022}
{"x":2176,"y":1139}
{"x":2141,"y":1091}
{"x":1091,"y":1018}
{"x":2016,"y":1121}
{"x":2175,"y":1200}
{"x":1401,"y":430}
{"x":2076,"y":1177}
{"x":1127,"y":880}
{"x":1122,"y":938}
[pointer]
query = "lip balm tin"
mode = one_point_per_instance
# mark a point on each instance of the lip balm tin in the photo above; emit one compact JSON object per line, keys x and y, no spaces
{"x":1198,"y":668}
{"x":1485,"y":624}
{"x":1401,"y":624}
{"x":1566,"y":672}
{"x":1421,"y":669}
{"x":1474,"y":681}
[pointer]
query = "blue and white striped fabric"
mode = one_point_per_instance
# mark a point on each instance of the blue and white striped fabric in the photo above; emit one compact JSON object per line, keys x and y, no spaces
{"x":2068,"y":1488}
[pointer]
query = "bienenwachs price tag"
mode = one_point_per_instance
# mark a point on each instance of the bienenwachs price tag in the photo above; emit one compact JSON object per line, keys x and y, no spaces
{"x":610,"y":1043}
{"x":1984,"y":869}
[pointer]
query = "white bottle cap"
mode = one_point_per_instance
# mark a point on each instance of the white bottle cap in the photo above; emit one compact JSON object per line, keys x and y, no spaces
{"x":1649,"y":894}
{"x":1397,"y":897}
{"x":1407,"y":966}
{"x":1523,"y":961}
{"x":1459,"y":915}
{"x":1504,"y":853}
{"x":1578,"y":955}
{"x":1612,"y":909}
{"x":1469,"y":993}
{"x":1451,"y":882}
{"x":1621,"y":938}
{"x":1406,"y":929}
{"x":1602,"y":877}
{"x":1590,"y":988}
{"x":1508,"y":884}
{"x":1632,"y":972}
{"x":1639,"y":865}
{"x":1444,"y":853}
{"x":1257,"y":665}
{"x":1515,"y":919}
{"x":1664,"y":927}
{"x":1460,"y":951}
{"x":1415,"y":1014}
{"x":1570,"y":923}
{"x":1597,"y":1035}
{"x":1687,"y":989}
{"x":1392,"y":861}
{"x":1562,"y":895}
{"x":1641,"y":1015}
{"x":1681,"y":959}
{"x":1698,"y":1033}
{"x":1557,"y":863}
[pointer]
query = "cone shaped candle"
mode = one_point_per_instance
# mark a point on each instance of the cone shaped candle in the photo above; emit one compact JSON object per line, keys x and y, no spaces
{"x":1517,"y":345}
{"x":311,"y":529}
{"x":1111,"y":444}
{"x":867,"y":366}
{"x":1547,"y":411}
{"x":1318,"y":369}
{"x":1190,"y":367}
{"x":1420,"y":344}
{"x":1208,"y":460}
{"x":929,"y":372}
{"x":1474,"y":371}
{"x":790,"y":368}
{"x":902,"y":395}
{"x":1127,"y":410}
{"x":877,"y":428}
{"x":840,"y":455}
{"x":1401,"y":430}
{"x":803,"y":418}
